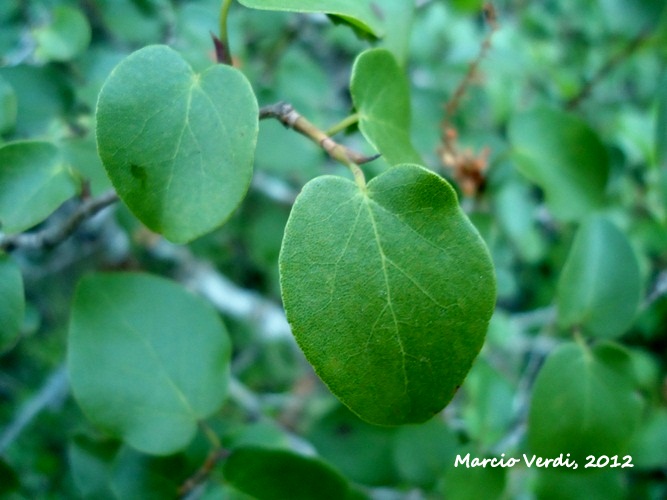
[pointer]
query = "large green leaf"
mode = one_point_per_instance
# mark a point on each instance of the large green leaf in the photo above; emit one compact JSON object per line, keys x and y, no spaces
{"x":381,"y":96}
{"x":272,"y":474}
{"x":600,"y":287}
{"x":583,"y":403}
{"x":12,"y":302}
{"x":178,"y":146}
{"x":389,"y":290}
{"x":34,"y":181}
{"x":359,"y":13}
{"x":147,"y":359}
{"x":564,"y":156}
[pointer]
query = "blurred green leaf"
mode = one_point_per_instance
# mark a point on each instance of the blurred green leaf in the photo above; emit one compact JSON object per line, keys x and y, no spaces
{"x":34,"y":181}
{"x":359,"y":13}
{"x":564,"y":156}
{"x":600,"y":286}
{"x":91,"y":463}
{"x":362,"y":452}
{"x":408,"y":327}
{"x":178,"y":146}
{"x":10,"y":480}
{"x":381,"y":96}
{"x":592,"y":484}
{"x":649,"y":448}
{"x":7,"y":106}
{"x":12,"y":302}
{"x":269,"y":474}
{"x":467,"y":483}
{"x":422,"y":452}
{"x":397,"y":16}
{"x":661,"y":125}
{"x":65,"y":37}
{"x":138,"y":476}
{"x":147,"y":360}
{"x":584,"y":403}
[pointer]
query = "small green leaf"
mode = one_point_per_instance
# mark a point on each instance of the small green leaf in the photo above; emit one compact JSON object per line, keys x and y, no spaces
{"x":65,"y":37}
{"x":147,"y":360}
{"x":34,"y":181}
{"x":463,"y":483}
{"x":389,"y":291}
{"x":178,"y":146}
{"x":583,"y":403}
{"x":398,"y":16}
{"x":381,"y":96}
{"x":600,"y":287}
{"x":90,"y":464}
{"x":272,"y":474}
{"x":649,"y":448}
{"x":12,"y":302}
{"x":359,"y":13}
{"x":564,"y":156}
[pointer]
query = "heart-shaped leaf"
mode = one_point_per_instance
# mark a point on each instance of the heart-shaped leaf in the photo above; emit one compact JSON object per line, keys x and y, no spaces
{"x":34,"y":181}
{"x":564,"y":156}
{"x":359,"y":13}
{"x":583,"y":403}
{"x":600,"y":287}
{"x":178,"y":146}
{"x":389,"y":290}
{"x":147,"y":360}
{"x":381,"y":96}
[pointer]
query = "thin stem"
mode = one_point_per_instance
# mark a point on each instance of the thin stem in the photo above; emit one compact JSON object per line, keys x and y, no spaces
{"x":343,"y":124}
{"x":289,"y":117}
{"x":224,"y":53}
{"x":210,"y":435}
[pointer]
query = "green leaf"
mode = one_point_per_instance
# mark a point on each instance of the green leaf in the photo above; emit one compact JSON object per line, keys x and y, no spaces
{"x":649,"y":448}
{"x":397,"y":16}
{"x":147,"y":360}
{"x":273,"y":474}
{"x":381,"y":95}
{"x":90,"y":464}
{"x":661,"y":126}
{"x":463,"y":483}
{"x":566,"y":484}
{"x":362,"y":452}
{"x":583,"y":403}
{"x":12,"y":302}
{"x":359,"y":13}
{"x":34,"y":181}
{"x":564,"y":156}
{"x":178,"y":146}
{"x":65,"y":37}
{"x":388,"y":289}
{"x":7,"y":106}
{"x":422,"y":452}
{"x":600,"y":287}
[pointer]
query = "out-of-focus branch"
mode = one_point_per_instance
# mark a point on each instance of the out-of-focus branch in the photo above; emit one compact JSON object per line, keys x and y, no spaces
{"x":606,"y":68}
{"x":469,"y":168}
{"x":52,"y":236}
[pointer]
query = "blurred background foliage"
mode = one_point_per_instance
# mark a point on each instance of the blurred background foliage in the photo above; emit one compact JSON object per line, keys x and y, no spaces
{"x":571,"y":102}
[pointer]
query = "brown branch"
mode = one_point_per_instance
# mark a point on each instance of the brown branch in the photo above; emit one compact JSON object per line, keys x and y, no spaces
{"x":469,"y":168}
{"x":52,"y":236}
{"x":606,"y":68}
{"x":203,"y":472}
{"x":288,"y":116}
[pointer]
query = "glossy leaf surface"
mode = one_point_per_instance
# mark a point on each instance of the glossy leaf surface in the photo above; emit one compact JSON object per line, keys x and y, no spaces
{"x":381,"y":96}
{"x":564,"y":156}
{"x":584,"y":403}
{"x":178,"y":146}
{"x":388,"y":291}
{"x":147,"y":359}
{"x":34,"y":181}
{"x":271,"y":474}
{"x":600,"y":286}
{"x":359,"y":13}
{"x":12,"y":302}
